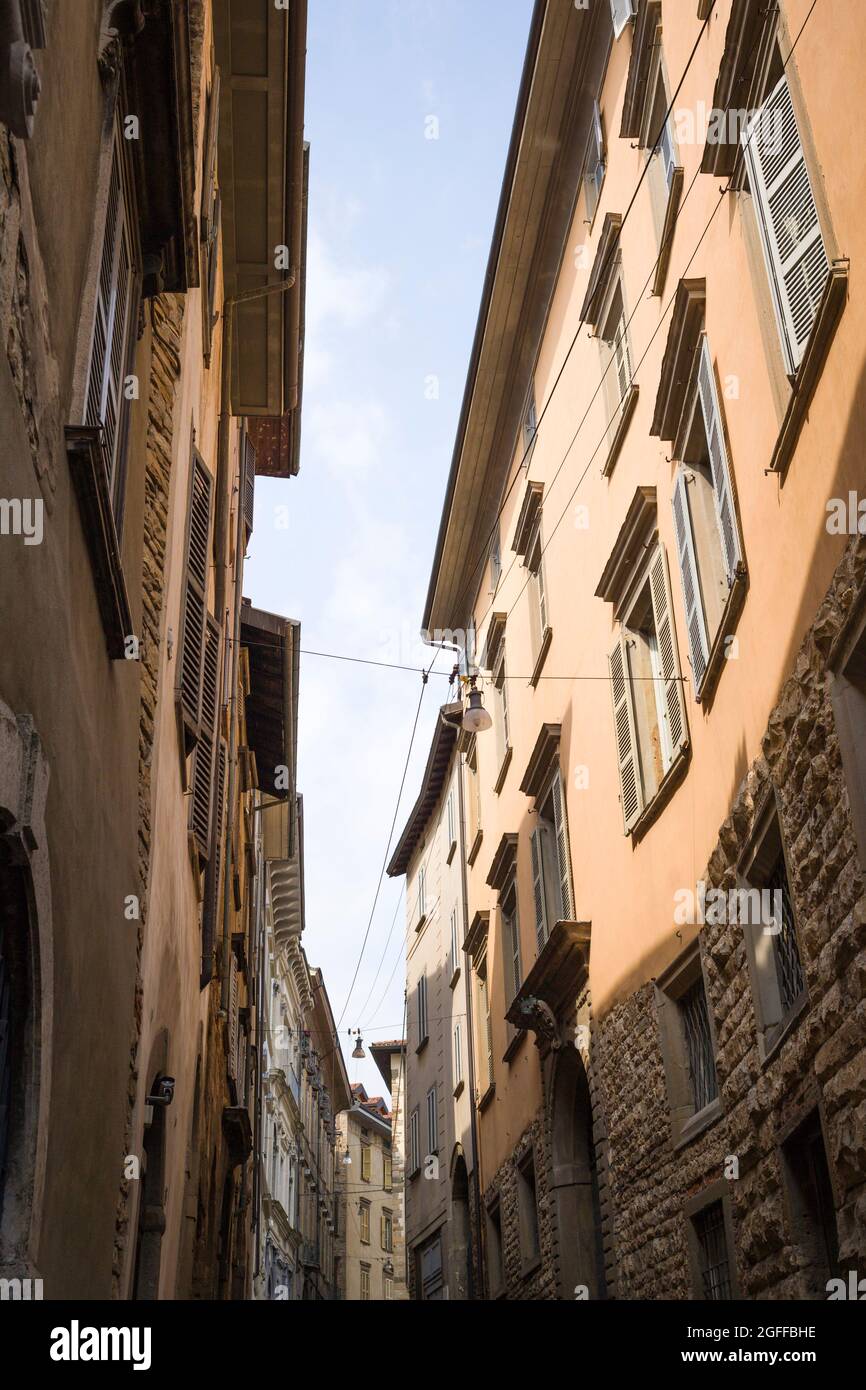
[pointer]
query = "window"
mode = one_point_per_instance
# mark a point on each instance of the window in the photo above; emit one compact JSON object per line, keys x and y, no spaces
{"x":366,"y":1157}
{"x":710,"y":1233}
{"x":432,"y":1122}
{"x":766,"y":915}
{"x":486,"y":1030}
{"x":210,"y":217}
{"x":527,"y":1204}
{"x":495,"y":561}
{"x":551,"y":869}
{"x":621,"y":11}
{"x":648,"y":708}
{"x":450,"y":825}
{"x":190,"y":667}
{"x":511,"y":941}
{"x":530,"y":429}
{"x":500,"y":714}
{"x":594,"y":172}
{"x":615,"y":348}
{"x":811,"y":1205}
{"x":705,"y":521}
{"x":364,"y":1213}
{"x":422,"y":1011}
{"x":387,"y":1231}
{"x":387,"y":1179}
{"x":414,"y":1142}
{"x":458,"y":1057}
{"x":455,"y":944}
{"x":688,"y":1045}
{"x":387,"y":1287}
{"x":365,"y":1283}
{"x":430,"y":1270}
{"x":473,"y":803}
{"x":787,"y":216}
{"x":422,"y":894}
{"x":538,"y":613}
{"x":662,"y":128}
{"x":114,"y":328}
{"x":494,"y":1250}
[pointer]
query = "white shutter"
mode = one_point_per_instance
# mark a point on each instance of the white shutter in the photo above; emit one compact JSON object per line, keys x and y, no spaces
{"x":560,"y":823}
{"x":788,"y":218}
{"x":631,"y":792}
{"x":541,"y":928}
{"x":622,"y":11}
{"x":663,"y":613}
{"x":719,"y":462}
{"x":696,"y":624}
{"x":597,"y":131}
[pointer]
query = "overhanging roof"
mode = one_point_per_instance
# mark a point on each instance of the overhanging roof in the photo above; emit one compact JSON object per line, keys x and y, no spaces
{"x":441,"y":748}
{"x":382,"y":1052}
{"x":272,"y":704}
{"x":261,"y":52}
{"x":565,"y":60}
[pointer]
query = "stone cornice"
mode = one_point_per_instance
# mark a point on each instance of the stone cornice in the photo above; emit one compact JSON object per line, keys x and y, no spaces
{"x":541,"y":761}
{"x":630,"y":546}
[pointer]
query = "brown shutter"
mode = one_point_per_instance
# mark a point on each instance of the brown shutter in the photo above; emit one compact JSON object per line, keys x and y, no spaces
{"x":210,"y":216}
{"x":202,"y":780}
{"x":191,"y":665}
{"x":249,"y":483}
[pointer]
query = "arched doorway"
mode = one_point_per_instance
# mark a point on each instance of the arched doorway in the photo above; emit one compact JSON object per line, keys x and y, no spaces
{"x":460,"y":1255}
{"x":18,"y":1075}
{"x":575,"y":1180}
{"x":151,"y":1212}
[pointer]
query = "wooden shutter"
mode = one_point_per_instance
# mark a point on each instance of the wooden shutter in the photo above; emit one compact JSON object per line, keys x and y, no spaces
{"x":210,"y":215}
{"x":696,"y":623}
{"x":719,"y":462}
{"x":631,"y":791}
{"x":560,"y":823}
{"x":538,"y":889}
{"x":202,"y":782}
{"x":249,"y":483}
{"x":675,"y":709}
{"x":622,"y":12}
{"x":191,"y":665}
{"x":382,"y":1239}
{"x":233,"y":1016}
{"x":796,"y":258}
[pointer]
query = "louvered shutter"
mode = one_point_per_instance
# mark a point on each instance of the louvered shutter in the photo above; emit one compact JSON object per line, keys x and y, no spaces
{"x":696,"y":623}
{"x":249,"y":483}
{"x":195,"y":597}
{"x":538,"y":890}
{"x":597,"y":131}
{"x":622,"y":11}
{"x":382,"y":1236}
{"x":631,"y":791}
{"x":115,"y":306}
{"x":202,"y":781}
{"x":788,"y":218}
{"x":675,"y":710}
{"x":208,"y":193}
{"x":719,"y":462}
{"x":233,"y":1016}
{"x":560,"y":822}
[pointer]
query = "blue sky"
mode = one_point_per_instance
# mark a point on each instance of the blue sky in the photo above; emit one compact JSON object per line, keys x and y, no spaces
{"x":399,"y":231}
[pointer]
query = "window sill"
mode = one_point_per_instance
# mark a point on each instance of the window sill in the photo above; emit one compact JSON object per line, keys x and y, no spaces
{"x":625,"y":413}
{"x":484,"y":1101}
{"x":422,"y":1044}
{"x":529,"y":1266}
{"x":421,"y":920}
{"x":503,"y":771}
{"x":671,"y":780}
{"x":716,"y":659}
{"x":514,"y":1044}
{"x":788,"y":1026}
{"x":458,"y":1089}
{"x":542,"y":656}
{"x":667,"y":237}
{"x":454,"y":978}
{"x":823,"y":331}
{"x":698,"y":1122}
{"x":84,"y":454}
{"x":475,"y":847}
{"x":451,"y":852}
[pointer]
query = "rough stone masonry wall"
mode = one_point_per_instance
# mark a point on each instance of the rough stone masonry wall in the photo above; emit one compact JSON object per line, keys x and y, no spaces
{"x":166,"y":319}
{"x":822,"y":1060}
{"x":540,"y":1283}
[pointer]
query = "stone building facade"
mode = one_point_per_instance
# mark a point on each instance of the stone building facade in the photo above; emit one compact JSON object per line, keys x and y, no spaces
{"x":650,"y":545}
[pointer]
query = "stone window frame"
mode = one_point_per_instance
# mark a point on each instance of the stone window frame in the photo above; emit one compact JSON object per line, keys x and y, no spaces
{"x":670,"y":987}
{"x":847,"y":687}
{"x":528,"y":1218}
{"x":797,"y":1222}
{"x":414,"y":1154}
{"x":493,"y":1218}
{"x":24,"y":778}
{"x":715,"y":1192}
{"x":762,"y":971}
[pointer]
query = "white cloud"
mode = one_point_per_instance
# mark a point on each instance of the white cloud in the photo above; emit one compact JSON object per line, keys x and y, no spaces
{"x":347,"y":436}
{"x":340,"y":293}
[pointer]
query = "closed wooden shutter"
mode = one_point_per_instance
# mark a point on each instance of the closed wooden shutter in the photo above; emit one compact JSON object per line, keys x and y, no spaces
{"x":674,"y":704}
{"x":696,"y":623}
{"x":383,"y":1235}
{"x":202,"y":781}
{"x":622,"y":11}
{"x":797,"y":261}
{"x":191,"y":665}
{"x":631,"y":790}
{"x":116,"y":308}
{"x":560,"y":822}
{"x":249,"y":483}
{"x":233,"y":1017}
{"x":210,"y":216}
{"x":719,"y":462}
{"x":538,"y":888}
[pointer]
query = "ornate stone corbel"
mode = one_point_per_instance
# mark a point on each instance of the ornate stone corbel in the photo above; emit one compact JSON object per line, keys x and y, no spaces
{"x":21,"y":30}
{"x":540,"y":1019}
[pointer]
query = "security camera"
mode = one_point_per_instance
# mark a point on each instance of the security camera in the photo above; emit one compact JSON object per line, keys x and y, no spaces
{"x":164,"y":1091}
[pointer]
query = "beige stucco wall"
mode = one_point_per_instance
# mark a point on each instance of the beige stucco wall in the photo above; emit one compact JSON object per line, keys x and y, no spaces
{"x":626,"y":890}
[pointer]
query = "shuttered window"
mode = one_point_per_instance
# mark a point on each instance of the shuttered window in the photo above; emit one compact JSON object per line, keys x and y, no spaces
{"x":233,"y":1017}
{"x":249,"y":487}
{"x":538,"y":887}
{"x":622,"y":11}
{"x":458,"y":1055}
{"x":414,"y":1142}
{"x":201,"y":819}
{"x":720,"y":467}
{"x":511,"y":943}
{"x":117,"y":294}
{"x":560,"y":827}
{"x":211,"y":208}
{"x":455,"y":945}
{"x":194,"y":612}
{"x":672,"y":712}
{"x":595,"y":164}
{"x":366,"y":1161}
{"x":787,"y":215}
{"x":696,"y":623}
{"x":432,"y":1122}
{"x":422,"y":1009}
